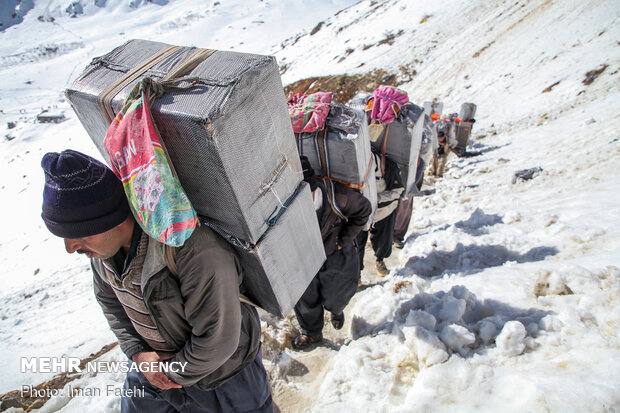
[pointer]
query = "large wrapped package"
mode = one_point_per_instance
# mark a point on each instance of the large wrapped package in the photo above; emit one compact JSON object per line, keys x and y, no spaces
{"x":279,"y":262}
{"x":400,"y":141}
{"x":360,"y":100}
{"x":462,"y":129}
{"x":341,"y":152}
{"x":429,"y":139}
{"x":231,"y":143}
{"x":346,"y":143}
{"x":462,"y":132}
{"x":446,"y":126}
{"x":230,"y":139}
{"x":467,"y":112}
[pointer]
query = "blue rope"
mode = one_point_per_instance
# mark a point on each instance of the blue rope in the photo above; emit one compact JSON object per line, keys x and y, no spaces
{"x":272,"y":220}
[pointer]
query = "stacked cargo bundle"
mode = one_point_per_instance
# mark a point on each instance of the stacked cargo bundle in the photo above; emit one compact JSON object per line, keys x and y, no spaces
{"x":230,"y":140}
{"x":403,"y":129}
{"x":429,"y":139}
{"x":462,"y":129}
{"x":340,"y":152}
{"x":347,"y":149}
{"x":400,"y":140}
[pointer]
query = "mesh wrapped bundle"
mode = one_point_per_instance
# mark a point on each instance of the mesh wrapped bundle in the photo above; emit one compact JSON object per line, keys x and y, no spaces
{"x":280,"y":261}
{"x":467,"y":112}
{"x":230,"y":140}
{"x":344,"y":154}
{"x":402,"y":143}
{"x":462,"y":130}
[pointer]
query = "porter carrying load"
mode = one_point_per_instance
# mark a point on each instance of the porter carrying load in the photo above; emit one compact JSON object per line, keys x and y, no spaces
{"x":230,"y":141}
{"x":462,"y":129}
{"x":396,"y":132}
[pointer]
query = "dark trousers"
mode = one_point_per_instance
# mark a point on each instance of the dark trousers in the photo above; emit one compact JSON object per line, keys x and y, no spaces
{"x":331,"y":289}
{"x":403,"y":217}
{"x":248,"y":391}
{"x":381,"y":235}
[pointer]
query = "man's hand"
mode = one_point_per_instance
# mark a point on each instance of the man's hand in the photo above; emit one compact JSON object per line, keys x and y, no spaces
{"x":157,"y":378}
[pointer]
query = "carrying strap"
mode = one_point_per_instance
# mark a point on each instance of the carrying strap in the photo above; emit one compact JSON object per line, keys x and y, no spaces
{"x":188,"y":64}
{"x":321,"y":146}
{"x":276,"y":214}
{"x":104,"y":99}
{"x":349,"y":184}
{"x":170,"y":257}
{"x":384,"y":142}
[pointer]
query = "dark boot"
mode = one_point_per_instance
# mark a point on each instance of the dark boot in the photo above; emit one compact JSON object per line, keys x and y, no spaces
{"x":303,"y":341}
{"x":382,"y":269}
{"x":337,"y":320}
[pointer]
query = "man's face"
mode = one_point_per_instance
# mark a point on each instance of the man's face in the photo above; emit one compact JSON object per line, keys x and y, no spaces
{"x":103,"y":245}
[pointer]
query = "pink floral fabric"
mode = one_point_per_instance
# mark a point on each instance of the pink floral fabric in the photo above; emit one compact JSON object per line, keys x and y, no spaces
{"x":387,"y":102}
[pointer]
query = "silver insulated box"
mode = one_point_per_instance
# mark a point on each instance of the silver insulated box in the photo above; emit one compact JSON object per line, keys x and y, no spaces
{"x":231,"y":142}
{"x":347,"y":149}
{"x":404,"y":139}
{"x":280,"y":261}
{"x":432,"y":108}
{"x":429,"y":139}
{"x":462,"y":130}
{"x":230,"y":139}
{"x":467,"y":112}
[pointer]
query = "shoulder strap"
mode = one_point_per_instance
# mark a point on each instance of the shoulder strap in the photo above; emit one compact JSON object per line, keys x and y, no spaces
{"x":170,"y":256}
{"x":322,"y":151}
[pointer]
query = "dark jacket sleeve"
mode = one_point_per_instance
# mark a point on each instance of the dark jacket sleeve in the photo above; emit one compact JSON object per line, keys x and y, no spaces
{"x":357,"y":209}
{"x":120,"y":324}
{"x":209,"y":277}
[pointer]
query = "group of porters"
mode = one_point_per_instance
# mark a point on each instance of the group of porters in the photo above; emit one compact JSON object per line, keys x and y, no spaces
{"x":235,"y":142}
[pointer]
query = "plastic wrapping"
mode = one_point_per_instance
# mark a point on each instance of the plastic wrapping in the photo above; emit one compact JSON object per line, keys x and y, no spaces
{"x":347,"y":145}
{"x":429,"y":140}
{"x":404,"y":139}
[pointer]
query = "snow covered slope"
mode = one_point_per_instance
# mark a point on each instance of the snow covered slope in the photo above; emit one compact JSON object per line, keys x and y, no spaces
{"x":505,"y":296}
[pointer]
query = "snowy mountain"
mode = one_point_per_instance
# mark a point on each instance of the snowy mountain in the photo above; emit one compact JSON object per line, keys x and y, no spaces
{"x":505,"y":296}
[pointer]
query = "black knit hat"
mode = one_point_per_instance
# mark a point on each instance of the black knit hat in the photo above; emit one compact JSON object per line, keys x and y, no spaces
{"x":82,"y":196}
{"x":309,"y":175}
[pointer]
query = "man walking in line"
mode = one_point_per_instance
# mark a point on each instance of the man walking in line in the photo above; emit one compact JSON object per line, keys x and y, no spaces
{"x":336,"y":282}
{"x":191,"y":315}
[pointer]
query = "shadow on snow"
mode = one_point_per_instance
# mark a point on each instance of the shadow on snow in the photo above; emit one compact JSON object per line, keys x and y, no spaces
{"x":471,"y":259}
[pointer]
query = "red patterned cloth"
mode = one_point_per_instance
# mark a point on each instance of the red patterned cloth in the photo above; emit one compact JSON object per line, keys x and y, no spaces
{"x":308,"y":112}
